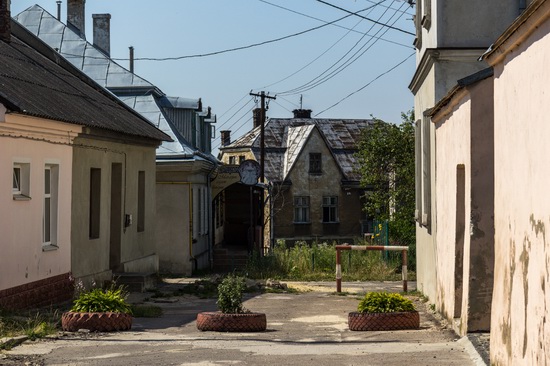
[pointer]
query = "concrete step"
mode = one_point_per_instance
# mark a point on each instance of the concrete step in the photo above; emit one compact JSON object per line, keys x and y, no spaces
{"x":135,"y":281}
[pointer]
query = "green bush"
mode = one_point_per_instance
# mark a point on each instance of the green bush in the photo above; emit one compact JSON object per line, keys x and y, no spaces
{"x":384,"y":302}
{"x":112,"y":299}
{"x":230,"y":295}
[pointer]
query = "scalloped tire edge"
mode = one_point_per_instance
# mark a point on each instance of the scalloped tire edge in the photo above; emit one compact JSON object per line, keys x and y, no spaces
{"x":96,"y":322}
{"x":220,"y":322}
{"x":383,"y":321}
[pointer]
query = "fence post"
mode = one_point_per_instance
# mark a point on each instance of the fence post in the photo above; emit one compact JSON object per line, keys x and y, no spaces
{"x":404,"y":269}
{"x":338,"y":272}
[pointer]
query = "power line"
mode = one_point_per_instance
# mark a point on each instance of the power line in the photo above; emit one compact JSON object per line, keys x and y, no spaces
{"x":320,"y":79}
{"x":222,"y":51}
{"x":370,"y":20}
{"x":315,"y":59}
{"x":366,"y":85}
{"x":338,"y":25}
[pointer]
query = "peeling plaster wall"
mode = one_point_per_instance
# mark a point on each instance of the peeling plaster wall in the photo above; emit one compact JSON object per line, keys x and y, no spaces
{"x":452,"y":149}
{"x":520,"y":327}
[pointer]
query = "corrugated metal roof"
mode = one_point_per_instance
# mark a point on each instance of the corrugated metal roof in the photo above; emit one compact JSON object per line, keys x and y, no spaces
{"x":285,"y":139}
{"x":33,"y":84}
{"x":78,"y":51}
{"x":111,"y":75}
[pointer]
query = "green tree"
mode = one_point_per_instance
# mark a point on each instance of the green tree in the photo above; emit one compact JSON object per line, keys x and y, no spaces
{"x":386,"y":163}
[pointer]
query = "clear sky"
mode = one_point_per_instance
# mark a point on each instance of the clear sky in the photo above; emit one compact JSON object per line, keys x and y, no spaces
{"x":317,"y":68}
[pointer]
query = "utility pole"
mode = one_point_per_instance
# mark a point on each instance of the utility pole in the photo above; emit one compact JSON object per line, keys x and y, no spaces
{"x":262,"y":96}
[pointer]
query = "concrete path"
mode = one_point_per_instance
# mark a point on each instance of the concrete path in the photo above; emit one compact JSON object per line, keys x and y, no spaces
{"x":308,"y":328}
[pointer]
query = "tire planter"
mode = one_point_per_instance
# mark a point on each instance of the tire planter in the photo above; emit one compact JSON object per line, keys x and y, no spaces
{"x":383,"y":321}
{"x":96,"y":322}
{"x":220,"y":322}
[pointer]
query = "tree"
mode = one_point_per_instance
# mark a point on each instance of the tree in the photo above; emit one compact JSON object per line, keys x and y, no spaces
{"x":387,"y":167}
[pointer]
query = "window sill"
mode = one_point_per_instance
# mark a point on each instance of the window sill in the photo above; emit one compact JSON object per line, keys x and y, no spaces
{"x":49,"y":247}
{"x":302,"y":223}
{"x":330,"y":222}
{"x":315,"y":173}
{"x":21,"y":197}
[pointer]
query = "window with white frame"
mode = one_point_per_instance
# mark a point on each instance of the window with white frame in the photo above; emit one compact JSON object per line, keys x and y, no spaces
{"x":51,"y":191}
{"x":301,"y":209}
{"x":330,"y":209}
{"x":21,"y":181}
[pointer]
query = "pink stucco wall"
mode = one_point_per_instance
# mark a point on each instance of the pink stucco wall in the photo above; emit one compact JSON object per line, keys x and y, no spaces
{"x":452,"y":149}
{"x":23,"y":259}
{"x":520,"y":332}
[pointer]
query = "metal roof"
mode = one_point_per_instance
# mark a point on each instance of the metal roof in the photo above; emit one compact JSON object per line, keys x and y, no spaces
{"x":285,"y":139}
{"x":36,"y":83}
{"x":144,"y":97}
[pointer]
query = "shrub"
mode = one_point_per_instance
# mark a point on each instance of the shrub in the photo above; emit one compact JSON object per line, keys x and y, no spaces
{"x":97,"y":300}
{"x":384,"y":302}
{"x":230,"y":295}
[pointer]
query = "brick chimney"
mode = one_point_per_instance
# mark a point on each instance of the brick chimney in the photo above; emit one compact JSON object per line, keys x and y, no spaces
{"x":302,"y":113}
{"x":226,"y":137}
{"x":102,"y":32}
{"x":257,"y":117}
{"x":76,"y":16}
{"x":5,"y":21}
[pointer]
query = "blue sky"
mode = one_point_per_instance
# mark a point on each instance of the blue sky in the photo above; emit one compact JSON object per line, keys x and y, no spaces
{"x":321,"y":67}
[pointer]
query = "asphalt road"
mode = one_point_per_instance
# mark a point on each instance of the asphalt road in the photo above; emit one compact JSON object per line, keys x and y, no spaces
{"x":308,"y":328}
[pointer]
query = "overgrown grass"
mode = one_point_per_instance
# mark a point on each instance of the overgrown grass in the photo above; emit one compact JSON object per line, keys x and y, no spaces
{"x":317,"y":262}
{"x":34,"y":325}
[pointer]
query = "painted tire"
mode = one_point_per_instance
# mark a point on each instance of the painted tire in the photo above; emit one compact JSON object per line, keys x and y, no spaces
{"x":220,"y":322}
{"x":96,"y":322}
{"x":384,"y":321}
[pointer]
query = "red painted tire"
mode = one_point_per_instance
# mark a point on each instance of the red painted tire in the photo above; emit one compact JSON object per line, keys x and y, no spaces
{"x":96,"y":322}
{"x":221,"y":322}
{"x":384,"y":321}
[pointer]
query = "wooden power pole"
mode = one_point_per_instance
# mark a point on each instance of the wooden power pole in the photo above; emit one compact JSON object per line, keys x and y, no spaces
{"x":262,"y":96}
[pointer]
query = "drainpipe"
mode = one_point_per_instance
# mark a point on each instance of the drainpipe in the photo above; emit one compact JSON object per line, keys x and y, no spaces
{"x":210,"y":234}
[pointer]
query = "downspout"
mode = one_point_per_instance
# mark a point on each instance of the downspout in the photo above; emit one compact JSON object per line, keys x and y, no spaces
{"x":210,"y":236}
{"x":189,"y":184}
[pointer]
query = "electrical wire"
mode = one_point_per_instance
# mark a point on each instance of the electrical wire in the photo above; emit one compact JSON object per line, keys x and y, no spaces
{"x":338,"y":25}
{"x":312,"y":61}
{"x":320,"y":79}
{"x":366,"y":85}
{"x":370,"y":20}
{"x":221,"y":51}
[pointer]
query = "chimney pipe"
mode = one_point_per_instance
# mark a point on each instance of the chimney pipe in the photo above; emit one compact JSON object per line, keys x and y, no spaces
{"x":102,"y":32}
{"x":302,"y":113}
{"x":131,"y":59}
{"x":58,"y":10}
{"x":5,"y":21}
{"x":256,"y":117}
{"x":226,"y":137}
{"x":76,"y":16}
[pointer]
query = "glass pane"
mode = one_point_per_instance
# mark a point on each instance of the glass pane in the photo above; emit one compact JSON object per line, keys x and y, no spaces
{"x":47,"y":181}
{"x":47,"y":220}
{"x":16,"y":178}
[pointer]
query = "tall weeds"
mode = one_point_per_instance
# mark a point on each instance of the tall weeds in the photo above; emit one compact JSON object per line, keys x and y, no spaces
{"x":304,"y":262}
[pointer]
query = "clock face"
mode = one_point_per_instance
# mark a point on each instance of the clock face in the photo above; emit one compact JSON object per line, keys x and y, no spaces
{"x":249,"y":170}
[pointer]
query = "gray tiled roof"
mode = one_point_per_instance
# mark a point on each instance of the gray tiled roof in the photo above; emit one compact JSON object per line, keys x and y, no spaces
{"x":285,"y":139}
{"x":35,"y":83}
